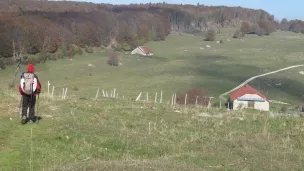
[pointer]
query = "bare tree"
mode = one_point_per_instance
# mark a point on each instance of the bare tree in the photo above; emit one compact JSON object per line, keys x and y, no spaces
{"x":18,"y":56}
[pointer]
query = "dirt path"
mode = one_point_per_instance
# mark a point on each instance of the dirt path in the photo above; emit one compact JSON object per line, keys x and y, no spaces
{"x":254,"y":77}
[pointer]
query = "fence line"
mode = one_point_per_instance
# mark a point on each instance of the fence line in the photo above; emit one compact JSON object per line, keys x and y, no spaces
{"x":114,"y":94}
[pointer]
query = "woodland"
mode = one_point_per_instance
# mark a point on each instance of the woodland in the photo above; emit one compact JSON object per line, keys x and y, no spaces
{"x":64,"y":28}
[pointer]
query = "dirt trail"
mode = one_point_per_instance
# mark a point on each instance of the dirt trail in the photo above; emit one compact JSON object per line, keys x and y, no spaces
{"x":254,"y":77}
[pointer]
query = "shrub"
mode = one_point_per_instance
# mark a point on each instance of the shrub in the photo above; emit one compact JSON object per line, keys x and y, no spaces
{"x":61,"y":53}
{"x":44,"y":56}
{"x":75,"y":88}
{"x":2,"y":64}
{"x":245,"y":28}
{"x":193,"y":95}
{"x":238,"y":34}
{"x":283,"y":109}
{"x":113,"y":59}
{"x":88,"y":49}
{"x":52,"y":57}
{"x":126,"y":46}
{"x":34,"y":59}
{"x":73,"y":50}
{"x":210,"y":35}
{"x":117,"y":47}
{"x":140,"y":42}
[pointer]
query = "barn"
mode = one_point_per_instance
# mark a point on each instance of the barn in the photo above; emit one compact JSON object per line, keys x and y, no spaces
{"x":142,"y":50}
{"x":248,"y":97}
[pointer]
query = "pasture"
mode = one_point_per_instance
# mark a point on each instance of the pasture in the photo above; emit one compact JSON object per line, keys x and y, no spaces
{"x":81,"y":133}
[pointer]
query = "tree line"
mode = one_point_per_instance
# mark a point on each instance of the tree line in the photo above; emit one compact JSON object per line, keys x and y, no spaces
{"x":61,"y":27}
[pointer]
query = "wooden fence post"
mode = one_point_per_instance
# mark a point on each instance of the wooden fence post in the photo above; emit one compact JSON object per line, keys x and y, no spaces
{"x":97,"y":93}
{"x":53,"y":91}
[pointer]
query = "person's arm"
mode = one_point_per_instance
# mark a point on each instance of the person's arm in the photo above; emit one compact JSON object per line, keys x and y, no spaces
{"x":38,"y":87}
{"x":20,"y":90}
{"x":19,"y":87}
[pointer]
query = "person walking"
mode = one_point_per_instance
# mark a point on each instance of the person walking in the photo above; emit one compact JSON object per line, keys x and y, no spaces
{"x":29,"y":87}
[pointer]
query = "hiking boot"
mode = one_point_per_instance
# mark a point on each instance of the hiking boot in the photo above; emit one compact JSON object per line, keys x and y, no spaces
{"x":33,"y":119}
{"x":23,"y":120}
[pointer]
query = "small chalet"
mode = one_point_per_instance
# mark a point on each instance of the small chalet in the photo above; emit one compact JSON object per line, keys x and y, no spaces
{"x":142,"y":50}
{"x":247,"y":97}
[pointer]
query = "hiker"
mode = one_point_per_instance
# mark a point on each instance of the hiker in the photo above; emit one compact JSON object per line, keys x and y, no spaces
{"x":29,"y":87}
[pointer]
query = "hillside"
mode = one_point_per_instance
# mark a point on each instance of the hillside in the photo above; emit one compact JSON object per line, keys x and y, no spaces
{"x":83,"y":132}
{"x":39,"y":26}
{"x":105,"y":134}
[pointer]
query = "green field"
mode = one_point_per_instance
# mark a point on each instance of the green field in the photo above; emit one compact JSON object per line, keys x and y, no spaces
{"x":81,"y":133}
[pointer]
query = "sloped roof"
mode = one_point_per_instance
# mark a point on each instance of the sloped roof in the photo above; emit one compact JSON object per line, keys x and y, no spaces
{"x":247,"y":89}
{"x":145,"y":49}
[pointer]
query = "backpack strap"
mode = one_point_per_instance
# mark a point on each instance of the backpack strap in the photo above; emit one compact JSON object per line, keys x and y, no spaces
{"x":22,"y":75}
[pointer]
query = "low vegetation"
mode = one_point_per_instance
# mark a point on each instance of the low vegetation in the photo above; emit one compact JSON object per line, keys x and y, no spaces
{"x":210,"y":35}
{"x":113,"y":59}
{"x":82,"y":134}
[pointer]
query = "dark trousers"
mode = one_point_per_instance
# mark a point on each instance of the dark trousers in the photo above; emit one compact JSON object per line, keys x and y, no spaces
{"x":28,"y":102}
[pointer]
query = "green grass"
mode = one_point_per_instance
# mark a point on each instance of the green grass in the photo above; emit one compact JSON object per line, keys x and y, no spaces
{"x":81,"y":133}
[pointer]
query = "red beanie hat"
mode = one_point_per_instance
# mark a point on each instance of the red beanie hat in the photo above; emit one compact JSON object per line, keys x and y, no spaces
{"x":30,"y":68}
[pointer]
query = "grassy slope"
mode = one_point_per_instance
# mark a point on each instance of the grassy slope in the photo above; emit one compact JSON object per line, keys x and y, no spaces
{"x":217,"y":69}
{"x":83,"y":134}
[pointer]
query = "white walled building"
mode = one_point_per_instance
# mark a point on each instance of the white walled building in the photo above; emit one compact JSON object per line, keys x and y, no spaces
{"x":248,"y":97}
{"x":142,"y":50}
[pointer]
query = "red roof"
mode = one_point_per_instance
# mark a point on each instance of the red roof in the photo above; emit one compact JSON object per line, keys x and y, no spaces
{"x":145,"y":49}
{"x":246,"y":90}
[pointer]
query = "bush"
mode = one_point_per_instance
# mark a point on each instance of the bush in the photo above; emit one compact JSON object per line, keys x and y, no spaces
{"x":193,"y":95}
{"x":210,"y":35}
{"x":117,"y":47}
{"x":113,"y":59}
{"x":61,"y":53}
{"x":238,"y":34}
{"x":245,"y":28}
{"x":52,"y":57}
{"x":126,"y":46}
{"x":34,"y":59}
{"x":140,"y":42}
{"x":44,"y":56}
{"x":75,"y":88}
{"x":283,"y":109}
{"x":88,"y":49}
{"x":73,"y":50}
{"x":2,"y":64}
{"x":221,"y":41}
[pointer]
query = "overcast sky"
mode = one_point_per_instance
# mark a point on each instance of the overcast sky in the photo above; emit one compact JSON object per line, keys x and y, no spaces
{"x":279,"y":8}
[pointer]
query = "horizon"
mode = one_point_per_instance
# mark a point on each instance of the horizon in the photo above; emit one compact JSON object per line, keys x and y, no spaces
{"x":279,"y":10}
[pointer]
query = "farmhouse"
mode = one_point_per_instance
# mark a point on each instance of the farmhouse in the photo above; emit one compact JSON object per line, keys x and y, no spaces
{"x":142,"y":50}
{"x":248,"y":97}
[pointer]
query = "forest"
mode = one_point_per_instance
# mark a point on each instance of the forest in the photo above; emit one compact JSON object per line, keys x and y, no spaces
{"x":59,"y":26}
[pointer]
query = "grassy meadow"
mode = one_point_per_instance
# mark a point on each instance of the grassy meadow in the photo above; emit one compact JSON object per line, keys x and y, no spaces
{"x":83,"y":133}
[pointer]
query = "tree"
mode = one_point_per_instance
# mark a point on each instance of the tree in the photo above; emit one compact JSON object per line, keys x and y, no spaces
{"x":267,"y":26}
{"x":210,"y":35}
{"x":245,"y":28}
{"x":284,"y":25}
{"x":238,"y":34}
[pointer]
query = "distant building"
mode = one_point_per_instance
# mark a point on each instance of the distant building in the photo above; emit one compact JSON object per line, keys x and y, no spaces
{"x":248,"y":97}
{"x":142,"y":50}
